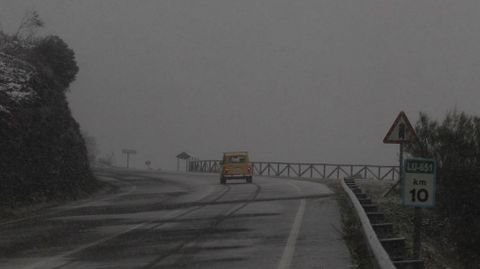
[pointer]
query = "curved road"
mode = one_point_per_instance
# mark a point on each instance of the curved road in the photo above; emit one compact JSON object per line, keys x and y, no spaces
{"x":169,"y":220}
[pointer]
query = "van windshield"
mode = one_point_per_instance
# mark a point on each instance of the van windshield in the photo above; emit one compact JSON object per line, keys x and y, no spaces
{"x":235,"y":159}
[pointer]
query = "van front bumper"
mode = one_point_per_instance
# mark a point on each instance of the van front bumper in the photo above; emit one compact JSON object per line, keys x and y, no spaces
{"x":235,"y":176}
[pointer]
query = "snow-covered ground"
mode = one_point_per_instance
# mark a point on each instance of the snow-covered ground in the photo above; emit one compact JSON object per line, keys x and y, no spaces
{"x":15,"y":80}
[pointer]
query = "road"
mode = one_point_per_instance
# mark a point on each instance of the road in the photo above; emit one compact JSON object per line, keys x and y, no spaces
{"x":174,"y":220}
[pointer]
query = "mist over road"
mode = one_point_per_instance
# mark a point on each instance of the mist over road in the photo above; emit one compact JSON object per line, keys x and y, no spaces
{"x":169,"y":220}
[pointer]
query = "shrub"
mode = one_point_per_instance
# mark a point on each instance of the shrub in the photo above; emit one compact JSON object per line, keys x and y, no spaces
{"x":455,"y":145}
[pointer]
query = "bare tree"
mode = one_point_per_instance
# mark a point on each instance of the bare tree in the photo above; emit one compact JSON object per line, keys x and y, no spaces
{"x":29,"y":25}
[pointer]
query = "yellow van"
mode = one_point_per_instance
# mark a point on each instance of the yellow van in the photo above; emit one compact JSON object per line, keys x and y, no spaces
{"x":236,"y":165}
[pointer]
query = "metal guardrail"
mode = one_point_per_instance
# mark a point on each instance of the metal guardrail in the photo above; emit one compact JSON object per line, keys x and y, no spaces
{"x":380,"y":256}
{"x":305,"y":170}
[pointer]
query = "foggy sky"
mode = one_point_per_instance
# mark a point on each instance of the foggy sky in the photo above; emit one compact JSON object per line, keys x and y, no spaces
{"x":303,"y":80}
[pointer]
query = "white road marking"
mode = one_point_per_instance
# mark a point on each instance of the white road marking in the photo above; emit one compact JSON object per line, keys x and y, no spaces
{"x":289,"y":250}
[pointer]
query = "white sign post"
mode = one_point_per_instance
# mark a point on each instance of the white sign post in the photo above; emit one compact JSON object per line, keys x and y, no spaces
{"x":418,"y":186}
{"x":418,"y":190}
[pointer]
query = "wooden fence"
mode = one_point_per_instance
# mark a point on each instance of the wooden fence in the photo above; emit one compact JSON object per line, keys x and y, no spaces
{"x":305,"y":170}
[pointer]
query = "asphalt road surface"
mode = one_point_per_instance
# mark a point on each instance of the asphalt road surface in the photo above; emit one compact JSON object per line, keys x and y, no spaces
{"x":168,"y":220}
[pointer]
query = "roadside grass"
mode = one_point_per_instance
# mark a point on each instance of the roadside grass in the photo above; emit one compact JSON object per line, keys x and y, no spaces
{"x":11,"y":210}
{"x":15,"y":210}
{"x":352,"y":230}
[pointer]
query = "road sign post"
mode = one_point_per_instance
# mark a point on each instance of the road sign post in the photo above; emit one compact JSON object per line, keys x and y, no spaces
{"x":148,"y":163}
{"x":400,"y":132}
{"x":128,"y":152}
{"x":418,"y":187}
{"x":418,"y":190}
{"x":415,"y":176}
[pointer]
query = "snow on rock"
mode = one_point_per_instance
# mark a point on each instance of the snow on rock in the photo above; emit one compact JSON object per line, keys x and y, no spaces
{"x":16,"y":79}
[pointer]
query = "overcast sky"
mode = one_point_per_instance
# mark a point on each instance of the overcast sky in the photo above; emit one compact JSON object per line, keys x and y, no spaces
{"x":287,"y":80}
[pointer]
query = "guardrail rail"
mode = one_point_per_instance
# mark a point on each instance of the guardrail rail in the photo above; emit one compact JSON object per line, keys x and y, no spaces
{"x":388,"y":251}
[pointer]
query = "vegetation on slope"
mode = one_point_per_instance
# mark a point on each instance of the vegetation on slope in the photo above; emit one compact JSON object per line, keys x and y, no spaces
{"x":455,"y":144}
{"x":42,"y":152}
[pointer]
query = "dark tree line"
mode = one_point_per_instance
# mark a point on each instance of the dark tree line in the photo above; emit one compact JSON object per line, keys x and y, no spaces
{"x":42,"y":152}
{"x":455,"y":144}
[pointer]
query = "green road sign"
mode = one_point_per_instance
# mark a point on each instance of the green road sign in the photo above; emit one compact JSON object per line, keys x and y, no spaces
{"x":418,"y":185}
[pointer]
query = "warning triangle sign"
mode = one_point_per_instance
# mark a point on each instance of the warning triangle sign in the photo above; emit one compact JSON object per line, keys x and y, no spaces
{"x":401,"y":131}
